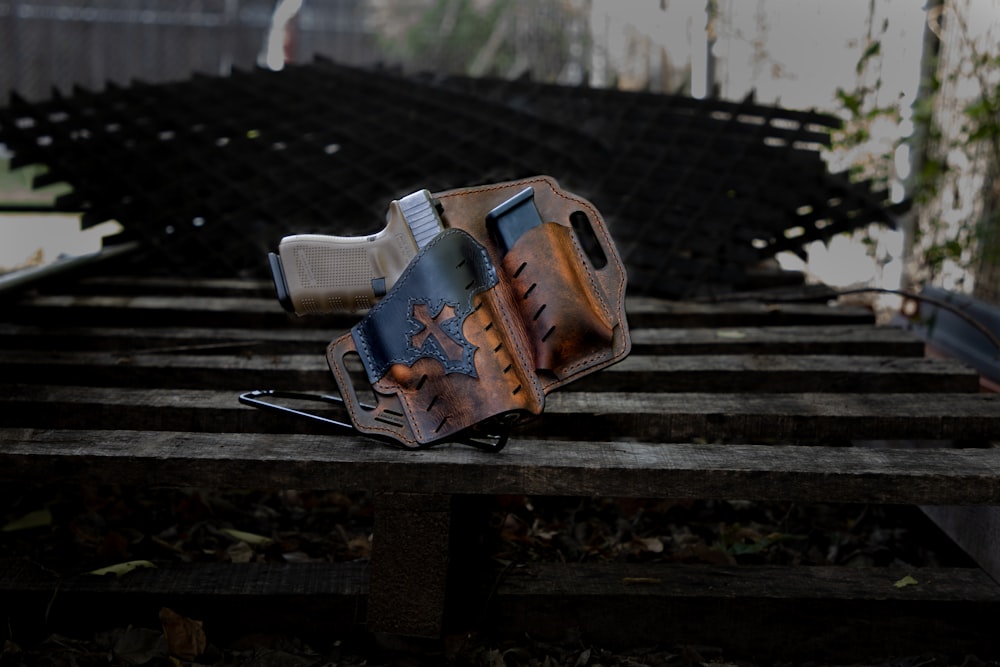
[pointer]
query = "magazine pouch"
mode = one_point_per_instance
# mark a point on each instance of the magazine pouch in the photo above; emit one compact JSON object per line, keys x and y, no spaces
{"x":561,"y":266}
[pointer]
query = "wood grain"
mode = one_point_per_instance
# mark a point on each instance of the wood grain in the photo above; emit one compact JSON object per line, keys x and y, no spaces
{"x":778,"y":373}
{"x":751,"y":472}
{"x":219,"y":367}
{"x":209,"y":310}
{"x":774,"y":614}
{"x":135,"y":382}
{"x":807,"y":418}
{"x":852,"y":339}
{"x":648,"y":312}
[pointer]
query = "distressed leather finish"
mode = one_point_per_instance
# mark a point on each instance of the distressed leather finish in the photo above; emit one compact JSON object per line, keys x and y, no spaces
{"x":586,"y":305}
{"x":444,"y":350}
{"x":469,"y":332}
{"x":570,"y":326}
{"x":424,"y":317}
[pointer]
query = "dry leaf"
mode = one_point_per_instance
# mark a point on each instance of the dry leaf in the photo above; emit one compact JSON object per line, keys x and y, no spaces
{"x":360,"y":547}
{"x":138,"y":646}
{"x":185,"y":636}
{"x":250,"y":538}
{"x":119,"y":569}
{"x":241,"y":552}
{"x":730,"y":334}
{"x":651,"y":544}
{"x":36,"y":519}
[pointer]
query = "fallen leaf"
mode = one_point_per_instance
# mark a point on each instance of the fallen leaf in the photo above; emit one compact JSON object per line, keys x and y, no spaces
{"x":123,"y":568}
{"x":241,"y":552}
{"x":138,"y":646}
{"x":250,"y":538}
{"x":299,"y":557}
{"x":651,"y":544}
{"x":731,"y":334}
{"x":185,"y":636}
{"x":906,"y":581}
{"x":495,"y":658}
{"x":360,"y":547}
{"x":37,"y":519}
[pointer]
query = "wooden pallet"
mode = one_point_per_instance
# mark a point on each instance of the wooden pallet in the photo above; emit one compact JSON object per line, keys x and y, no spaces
{"x":135,"y":381}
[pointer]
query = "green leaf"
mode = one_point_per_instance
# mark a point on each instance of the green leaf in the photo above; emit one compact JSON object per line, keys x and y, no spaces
{"x":984,"y":132}
{"x":982,"y":109}
{"x":123,"y":568}
{"x":851,"y":101}
{"x":906,"y":581}
{"x":873,"y":50}
{"x":37,"y":519}
{"x":249,"y":538}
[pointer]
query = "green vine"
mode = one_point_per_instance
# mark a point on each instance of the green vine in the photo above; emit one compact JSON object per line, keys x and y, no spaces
{"x":863,"y":109}
{"x":974,"y":243}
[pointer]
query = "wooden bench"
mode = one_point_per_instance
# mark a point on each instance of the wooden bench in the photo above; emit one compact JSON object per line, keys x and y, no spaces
{"x":134,"y":381}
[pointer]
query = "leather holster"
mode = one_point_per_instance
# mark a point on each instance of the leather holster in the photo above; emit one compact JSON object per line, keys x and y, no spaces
{"x":474,"y":330}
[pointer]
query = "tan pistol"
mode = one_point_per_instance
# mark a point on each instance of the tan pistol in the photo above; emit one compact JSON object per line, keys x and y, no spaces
{"x":318,"y":274}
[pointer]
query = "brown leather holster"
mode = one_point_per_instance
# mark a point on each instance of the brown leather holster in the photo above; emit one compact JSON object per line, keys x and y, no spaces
{"x":475,"y":329}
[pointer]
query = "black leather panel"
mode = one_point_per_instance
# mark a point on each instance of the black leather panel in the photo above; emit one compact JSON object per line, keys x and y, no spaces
{"x":423,"y":314}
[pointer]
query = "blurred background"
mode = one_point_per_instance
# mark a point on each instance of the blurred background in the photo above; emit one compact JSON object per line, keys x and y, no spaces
{"x":917,"y":88}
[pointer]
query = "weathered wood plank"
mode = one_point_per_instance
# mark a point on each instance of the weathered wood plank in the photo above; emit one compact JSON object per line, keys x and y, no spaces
{"x":146,"y":310}
{"x":802,"y":417}
{"x":182,"y":409}
{"x":234,"y":600}
{"x":781,"y":373}
{"x":222,"y":371}
{"x":770,"y":613}
{"x":159,"y":311}
{"x":167,"y":340}
{"x":762,"y":373}
{"x":665,"y":417}
{"x":242,"y":579}
{"x":733,"y":608}
{"x":650,"y":312}
{"x":154,"y":368}
{"x":852,"y":339}
{"x":751,"y":472}
{"x":646,"y":580}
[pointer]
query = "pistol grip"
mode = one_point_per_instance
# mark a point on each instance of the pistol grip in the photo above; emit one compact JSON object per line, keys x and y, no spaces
{"x":316,"y":274}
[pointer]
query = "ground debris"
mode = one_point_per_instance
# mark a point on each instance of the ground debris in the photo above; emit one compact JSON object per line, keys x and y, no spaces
{"x":73,"y":530}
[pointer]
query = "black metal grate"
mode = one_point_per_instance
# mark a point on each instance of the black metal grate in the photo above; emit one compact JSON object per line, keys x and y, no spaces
{"x":698,"y":190}
{"x":211,"y":172}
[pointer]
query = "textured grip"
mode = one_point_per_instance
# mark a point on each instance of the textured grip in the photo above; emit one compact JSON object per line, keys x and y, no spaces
{"x":321,"y":274}
{"x":328,"y":274}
